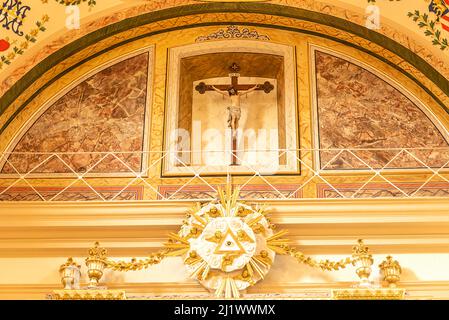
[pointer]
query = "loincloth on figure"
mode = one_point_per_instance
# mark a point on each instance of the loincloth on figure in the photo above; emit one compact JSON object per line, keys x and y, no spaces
{"x":235,"y":114}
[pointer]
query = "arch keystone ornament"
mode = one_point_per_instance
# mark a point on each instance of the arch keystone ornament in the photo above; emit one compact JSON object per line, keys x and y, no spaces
{"x":233,"y":32}
{"x":228,"y":246}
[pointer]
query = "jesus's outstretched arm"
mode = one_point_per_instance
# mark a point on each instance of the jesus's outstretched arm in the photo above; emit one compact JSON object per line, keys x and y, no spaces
{"x":219,"y":91}
{"x":249,"y":90}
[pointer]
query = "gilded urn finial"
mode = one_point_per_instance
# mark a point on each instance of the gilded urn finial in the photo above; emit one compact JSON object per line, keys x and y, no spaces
{"x":96,"y":263}
{"x":391,"y":271}
{"x":363,"y":261}
{"x":70,"y":274}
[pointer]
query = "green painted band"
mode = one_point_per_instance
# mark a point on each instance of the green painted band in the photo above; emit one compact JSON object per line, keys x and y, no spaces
{"x":205,"y":8}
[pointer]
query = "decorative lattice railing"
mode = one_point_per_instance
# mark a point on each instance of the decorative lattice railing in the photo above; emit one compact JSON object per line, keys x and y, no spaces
{"x":261,"y":174}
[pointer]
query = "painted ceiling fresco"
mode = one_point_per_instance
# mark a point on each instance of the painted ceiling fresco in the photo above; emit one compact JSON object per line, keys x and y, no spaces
{"x":28,"y":25}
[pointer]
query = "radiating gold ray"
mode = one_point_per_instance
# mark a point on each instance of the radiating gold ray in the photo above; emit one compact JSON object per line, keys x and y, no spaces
{"x":178,"y":252}
{"x":199,"y":269}
{"x":277,"y":235}
{"x":228,"y":292}
{"x":235,"y":196}
{"x":235,"y":290}
{"x":220,"y":288}
{"x":176,"y":237}
{"x":256,"y":268}
{"x":205,"y":273}
{"x":262,"y":262}
{"x":195,"y":208}
{"x":176,"y":246}
{"x":254,"y":221}
{"x":199,"y":219}
{"x":250,"y":270}
{"x":228,"y":198}
{"x":277,"y":249}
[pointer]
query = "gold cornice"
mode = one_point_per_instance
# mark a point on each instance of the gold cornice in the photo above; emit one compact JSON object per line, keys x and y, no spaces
{"x":88,"y":295}
{"x":169,"y":212}
{"x":368,"y":294}
{"x":415,"y":290}
{"x":137,"y":228}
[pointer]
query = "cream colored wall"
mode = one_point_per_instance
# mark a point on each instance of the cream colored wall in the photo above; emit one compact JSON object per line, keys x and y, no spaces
{"x":36,"y":239}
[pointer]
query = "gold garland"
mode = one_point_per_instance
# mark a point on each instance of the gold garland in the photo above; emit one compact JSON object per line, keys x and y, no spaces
{"x":325,"y":265}
{"x":178,"y":245}
{"x":157,"y":257}
{"x":228,"y":283}
{"x":135,"y":265}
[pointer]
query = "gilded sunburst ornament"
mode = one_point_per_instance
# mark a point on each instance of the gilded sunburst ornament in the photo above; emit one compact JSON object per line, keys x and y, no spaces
{"x":226,"y":245}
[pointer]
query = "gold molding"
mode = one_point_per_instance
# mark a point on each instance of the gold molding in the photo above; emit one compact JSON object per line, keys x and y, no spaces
{"x":135,"y":228}
{"x":421,"y":47}
{"x":160,"y":290}
{"x":368,"y":294}
{"x":88,"y":295}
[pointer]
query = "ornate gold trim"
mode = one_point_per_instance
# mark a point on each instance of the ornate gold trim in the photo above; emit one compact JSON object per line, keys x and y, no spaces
{"x":233,"y":32}
{"x":368,"y":294}
{"x":88,"y":295}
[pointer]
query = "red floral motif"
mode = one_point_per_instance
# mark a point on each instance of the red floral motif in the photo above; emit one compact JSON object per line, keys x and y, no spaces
{"x":4,"y":45}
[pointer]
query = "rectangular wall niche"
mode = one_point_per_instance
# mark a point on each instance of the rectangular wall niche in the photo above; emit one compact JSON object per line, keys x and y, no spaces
{"x":198,"y":135}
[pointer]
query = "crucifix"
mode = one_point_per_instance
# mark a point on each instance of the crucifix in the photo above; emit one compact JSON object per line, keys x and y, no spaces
{"x":234,"y":92}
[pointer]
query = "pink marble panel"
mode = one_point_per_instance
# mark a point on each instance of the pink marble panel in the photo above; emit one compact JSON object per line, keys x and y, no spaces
{"x":105,"y":113}
{"x":359,"y":110}
{"x":71,"y":194}
{"x":248,"y":192}
{"x":384,"y":190}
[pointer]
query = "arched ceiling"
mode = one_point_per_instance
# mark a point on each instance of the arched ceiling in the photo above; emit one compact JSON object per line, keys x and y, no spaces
{"x":36,"y":109}
{"x":50,"y":35}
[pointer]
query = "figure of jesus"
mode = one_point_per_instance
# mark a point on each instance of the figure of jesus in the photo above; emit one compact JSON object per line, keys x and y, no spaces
{"x":233,"y":93}
{"x":234,"y":110}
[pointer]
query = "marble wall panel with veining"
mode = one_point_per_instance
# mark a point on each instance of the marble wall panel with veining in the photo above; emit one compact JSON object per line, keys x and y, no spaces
{"x":104,"y":113}
{"x":359,"y":110}
{"x":248,"y":192}
{"x":71,"y":194}
{"x":384,"y":190}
